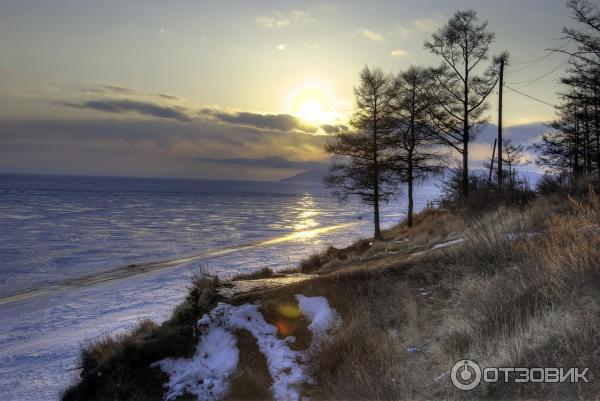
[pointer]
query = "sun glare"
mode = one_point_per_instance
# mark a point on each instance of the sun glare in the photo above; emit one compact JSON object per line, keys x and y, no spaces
{"x":311,"y":110}
{"x":313,"y":105}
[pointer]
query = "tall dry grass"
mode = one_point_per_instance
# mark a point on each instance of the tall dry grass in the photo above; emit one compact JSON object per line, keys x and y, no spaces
{"x":531,"y":295}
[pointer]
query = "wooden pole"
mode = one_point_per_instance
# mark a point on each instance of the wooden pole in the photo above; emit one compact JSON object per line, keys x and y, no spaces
{"x":492,"y":162}
{"x":500,"y":178}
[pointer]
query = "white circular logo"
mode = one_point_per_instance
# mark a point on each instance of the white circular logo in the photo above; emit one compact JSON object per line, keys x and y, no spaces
{"x":465,"y":375}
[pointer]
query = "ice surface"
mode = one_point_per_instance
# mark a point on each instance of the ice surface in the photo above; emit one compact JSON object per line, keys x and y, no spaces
{"x":52,"y":229}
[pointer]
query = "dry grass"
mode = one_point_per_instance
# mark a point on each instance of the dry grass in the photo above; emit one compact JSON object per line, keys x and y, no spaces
{"x":536,"y":302}
{"x":252,"y":380}
{"x":311,"y":264}
{"x":118,"y":367}
{"x":257,"y":275}
{"x":567,"y":255}
{"x":521,"y":291}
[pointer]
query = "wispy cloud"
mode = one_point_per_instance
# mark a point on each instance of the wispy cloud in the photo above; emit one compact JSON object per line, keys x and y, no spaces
{"x":158,"y":147}
{"x":281,"y":47}
{"x":334,"y":129}
{"x":398,"y":53}
{"x":279,"y":20}
{"x":123,"y":106}
{"x":119,"y":90}
{"x":301,"y":15}
{"x":428,"y":24}
{"x":367,"y":33}
{"x":269,"y":162}
{"x":275,"y":21}
{"x":278,"y":122}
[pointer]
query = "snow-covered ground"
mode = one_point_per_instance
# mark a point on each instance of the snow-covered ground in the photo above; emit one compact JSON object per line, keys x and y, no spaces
{"x":54,"y":229}
{"x":206,"y":374}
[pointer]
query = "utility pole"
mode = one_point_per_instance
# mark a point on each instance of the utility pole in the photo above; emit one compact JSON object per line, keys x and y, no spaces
{"x":492,"y":163}
{"x":501,"y":81}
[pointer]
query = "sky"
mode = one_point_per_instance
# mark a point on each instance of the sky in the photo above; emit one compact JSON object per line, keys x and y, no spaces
{"x":230,"y":89}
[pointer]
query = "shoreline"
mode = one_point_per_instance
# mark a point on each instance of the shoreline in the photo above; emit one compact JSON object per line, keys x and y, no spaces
{"x":131,"y":270}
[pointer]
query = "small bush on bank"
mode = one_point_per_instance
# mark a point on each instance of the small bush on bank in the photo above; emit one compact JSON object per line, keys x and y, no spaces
{"x":313,"y":263}
{"x":118,"y":367}
{"x":265,"y":272}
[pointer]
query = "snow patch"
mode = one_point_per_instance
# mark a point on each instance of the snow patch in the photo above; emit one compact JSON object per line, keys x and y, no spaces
{"x":321,"y":316}
{"x":448,"y":243}
{"x":206,"y":373}
{"x":286,"y":366}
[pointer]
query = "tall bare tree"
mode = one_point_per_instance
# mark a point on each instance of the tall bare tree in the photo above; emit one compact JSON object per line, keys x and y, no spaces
{"x":363,"y":165}
{"x":414,"y":137}
{"x":587,"y":14}
{"x":513,"y":156}
{"x":460,"y":92}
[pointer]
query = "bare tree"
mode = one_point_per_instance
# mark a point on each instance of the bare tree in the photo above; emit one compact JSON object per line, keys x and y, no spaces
{"x":513,"y":156}
{"x":587,"y":40}
{"x":413,"y":136}
{"x":363,"y":165}
{"x":460,"y":93}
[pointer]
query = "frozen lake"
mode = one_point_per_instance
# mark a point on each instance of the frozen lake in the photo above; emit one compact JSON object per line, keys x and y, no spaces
{"x":56,"y":229}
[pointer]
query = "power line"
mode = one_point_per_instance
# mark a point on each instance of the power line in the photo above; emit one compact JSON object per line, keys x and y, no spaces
{"x":530,"y":97}
{"x":532,"y":62}
{"x":534,"y":80}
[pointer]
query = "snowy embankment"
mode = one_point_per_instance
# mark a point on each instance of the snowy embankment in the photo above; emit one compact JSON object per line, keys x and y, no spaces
{"x":207,"y":373}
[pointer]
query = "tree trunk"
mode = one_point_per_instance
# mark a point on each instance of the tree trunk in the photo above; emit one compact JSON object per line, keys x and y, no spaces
{"x":465,"y":166}
{"x":576,"y":153}
{"x":377,"y":234}
{"x":376,"y":218}
{"x":597,"y":131}
{"x":409,"y":217}
{"x":465,"y":169}
{"x":500,"y":87}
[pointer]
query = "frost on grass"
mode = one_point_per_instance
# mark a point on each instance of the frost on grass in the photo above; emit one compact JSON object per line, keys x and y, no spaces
{"x":206,"y":374}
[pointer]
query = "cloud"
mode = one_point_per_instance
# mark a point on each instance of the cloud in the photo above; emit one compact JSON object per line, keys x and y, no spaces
{"x":301,"y":15}
{"x":334,"y":129}
{"x":168,"y":97}
{"x":423,"y":25}
{"x":122,"y":90}
{"x":132,"y":106}
{"x":262,"y":121}
{"x":270,"y":162}
{"x":276,"y":21}
{"x":281,"y":47}
{"x":370,"y":35}
{"x":277,"y":122}
{"x":398,"y":53}
{"x":160,"y":147}
{"x":427,"y":24}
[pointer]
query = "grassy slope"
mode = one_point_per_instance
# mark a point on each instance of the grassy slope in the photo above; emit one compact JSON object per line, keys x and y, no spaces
{"x":521,"y":291}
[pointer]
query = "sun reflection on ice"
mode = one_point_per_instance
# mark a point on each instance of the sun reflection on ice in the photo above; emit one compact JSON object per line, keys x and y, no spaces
{"x":306,"y":214}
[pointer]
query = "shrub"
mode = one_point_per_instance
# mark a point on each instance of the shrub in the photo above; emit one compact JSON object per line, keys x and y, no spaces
{"x":265,"y":272}
{"x":311,"y":264}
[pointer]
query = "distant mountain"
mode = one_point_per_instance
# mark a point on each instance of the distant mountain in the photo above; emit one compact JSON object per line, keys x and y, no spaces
{"x":312,"y":176}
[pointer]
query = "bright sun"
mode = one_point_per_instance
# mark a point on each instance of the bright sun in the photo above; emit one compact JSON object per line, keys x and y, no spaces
{"x":313,"y":105}
{"x":311,"y":110}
